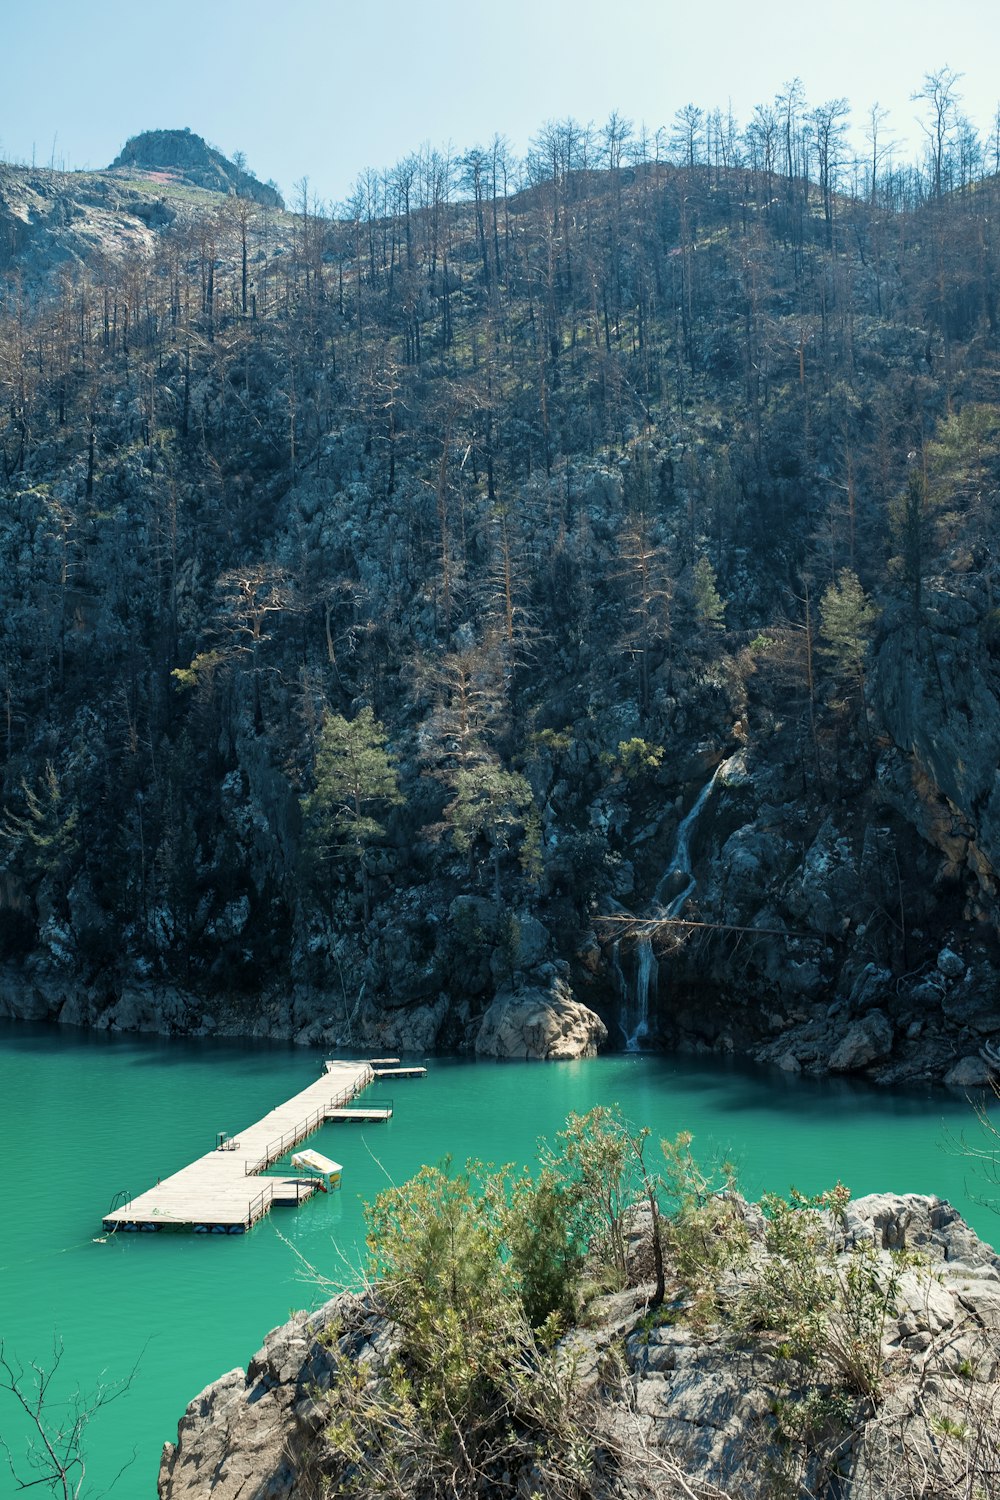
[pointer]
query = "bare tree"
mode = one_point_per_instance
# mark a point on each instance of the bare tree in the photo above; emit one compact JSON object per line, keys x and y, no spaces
{"x":790,"y":104}
{"x":880,"y":147}
{"x":688,"y":133}
{"x":829,"y":122}
{"x":55,"y":1452}
{"x":940,"y":92}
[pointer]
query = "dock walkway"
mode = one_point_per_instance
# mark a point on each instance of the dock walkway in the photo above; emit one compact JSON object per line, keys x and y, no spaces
{"x":221,"y":1192}
{"x":369,"y":1116}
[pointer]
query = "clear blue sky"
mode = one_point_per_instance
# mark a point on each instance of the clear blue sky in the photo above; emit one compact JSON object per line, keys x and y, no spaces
{"x":323,"y":88}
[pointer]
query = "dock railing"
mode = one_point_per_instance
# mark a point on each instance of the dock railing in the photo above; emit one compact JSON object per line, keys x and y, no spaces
{"x":381,"y":1105}
{"x":259,"y":1205}
{"x":284,"y":1143}
{"x":122,"y":1199}
{"x":304,"y":1188}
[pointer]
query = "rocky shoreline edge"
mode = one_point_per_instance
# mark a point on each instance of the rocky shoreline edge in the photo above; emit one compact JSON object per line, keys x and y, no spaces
{"x":540,"y":1016}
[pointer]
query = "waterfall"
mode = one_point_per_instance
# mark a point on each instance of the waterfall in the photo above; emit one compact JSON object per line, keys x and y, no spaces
{"x":635,"y":1012}
{"x":634,"y":1018}
{"x":680,"y":863}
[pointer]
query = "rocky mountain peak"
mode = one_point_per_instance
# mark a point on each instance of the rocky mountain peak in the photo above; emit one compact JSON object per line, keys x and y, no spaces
{"x":182,"y":155}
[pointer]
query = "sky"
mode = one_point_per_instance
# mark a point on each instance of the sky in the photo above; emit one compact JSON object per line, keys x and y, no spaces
{"x":321,"y":89}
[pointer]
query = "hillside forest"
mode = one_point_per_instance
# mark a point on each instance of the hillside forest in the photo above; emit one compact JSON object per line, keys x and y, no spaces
{"x":382,"y":587}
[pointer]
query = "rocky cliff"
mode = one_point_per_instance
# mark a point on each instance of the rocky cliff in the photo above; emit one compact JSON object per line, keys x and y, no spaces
{"x":50,"y":219}
{"x":186,"y":157}
{"x":678,"y":1406}
{"x":266,"y":480}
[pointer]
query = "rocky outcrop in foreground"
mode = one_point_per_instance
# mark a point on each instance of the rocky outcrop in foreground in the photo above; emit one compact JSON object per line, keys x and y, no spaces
{"x":685,"y":1407}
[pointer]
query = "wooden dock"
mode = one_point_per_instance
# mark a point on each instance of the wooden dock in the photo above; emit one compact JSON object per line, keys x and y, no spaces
{"x":373,"y":1116}
{"x":399,"y":1072}
{"x":221,"y":1192}
{"x":376,"y":1062}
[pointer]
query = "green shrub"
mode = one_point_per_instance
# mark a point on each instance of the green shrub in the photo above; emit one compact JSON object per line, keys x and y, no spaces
{"x":826,"y":1309}
{"x":465,"y":1262}
{"x":545,"y":1234}
{"x":704,"y":1231}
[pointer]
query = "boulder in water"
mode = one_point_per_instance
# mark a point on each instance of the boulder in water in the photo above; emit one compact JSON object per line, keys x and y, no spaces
{"x":549,"y":1024}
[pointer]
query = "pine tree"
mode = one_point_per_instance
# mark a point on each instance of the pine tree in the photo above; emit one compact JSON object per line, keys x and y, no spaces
{"x":710,"y":607}
{"x":45,"y":838}
{"x":495,"y":805}
{"x":847,"y":617}
{"x":354,"y":773}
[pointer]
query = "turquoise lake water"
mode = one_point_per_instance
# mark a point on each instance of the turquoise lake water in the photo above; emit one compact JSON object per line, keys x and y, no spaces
{"x":86,"y":1114}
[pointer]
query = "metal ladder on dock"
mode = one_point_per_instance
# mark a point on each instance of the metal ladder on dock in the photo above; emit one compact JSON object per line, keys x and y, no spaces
{"x":122,"y":1199}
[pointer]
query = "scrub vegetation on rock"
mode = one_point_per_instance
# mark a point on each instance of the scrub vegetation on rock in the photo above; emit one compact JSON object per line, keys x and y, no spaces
{"x":512,"y":1342}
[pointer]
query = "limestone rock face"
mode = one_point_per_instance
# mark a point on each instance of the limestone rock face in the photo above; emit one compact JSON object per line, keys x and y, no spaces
{"x":916,"y":1221}
{"x":870,"y":989}
{"x":161,"y":1010}
{"x":969,"y":1073}
{"x":974,"y":1001}
{"x":950,"y":964}
{"x":710,"y":1405}
{"x":825,"y":888}
{"x":540,"y":1023}
{"x":185,"y":154}
{"x":43,"y":992}
{"x":412,"y":1030}
{"x":251,"y":1435}
{"x":22,"y":1000}
{"x":920,"y":681}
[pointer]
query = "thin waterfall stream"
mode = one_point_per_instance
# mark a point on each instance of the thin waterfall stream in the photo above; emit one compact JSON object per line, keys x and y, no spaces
{"x":636,"y":997}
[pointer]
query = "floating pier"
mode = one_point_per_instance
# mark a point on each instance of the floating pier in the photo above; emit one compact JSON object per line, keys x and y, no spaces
{"x":399,"y":1072}
{"x":373,"y":1116}
{"x":221,"y":1192}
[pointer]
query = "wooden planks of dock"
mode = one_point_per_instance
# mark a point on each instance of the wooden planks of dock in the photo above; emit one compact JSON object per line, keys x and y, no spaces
{"x":373,"y":1116}
{"x":399,"y":1072}
{"x":221,"y":1192}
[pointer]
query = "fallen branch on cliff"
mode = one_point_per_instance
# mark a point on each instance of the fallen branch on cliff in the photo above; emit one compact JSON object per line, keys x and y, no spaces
{"x":655,"y":926}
